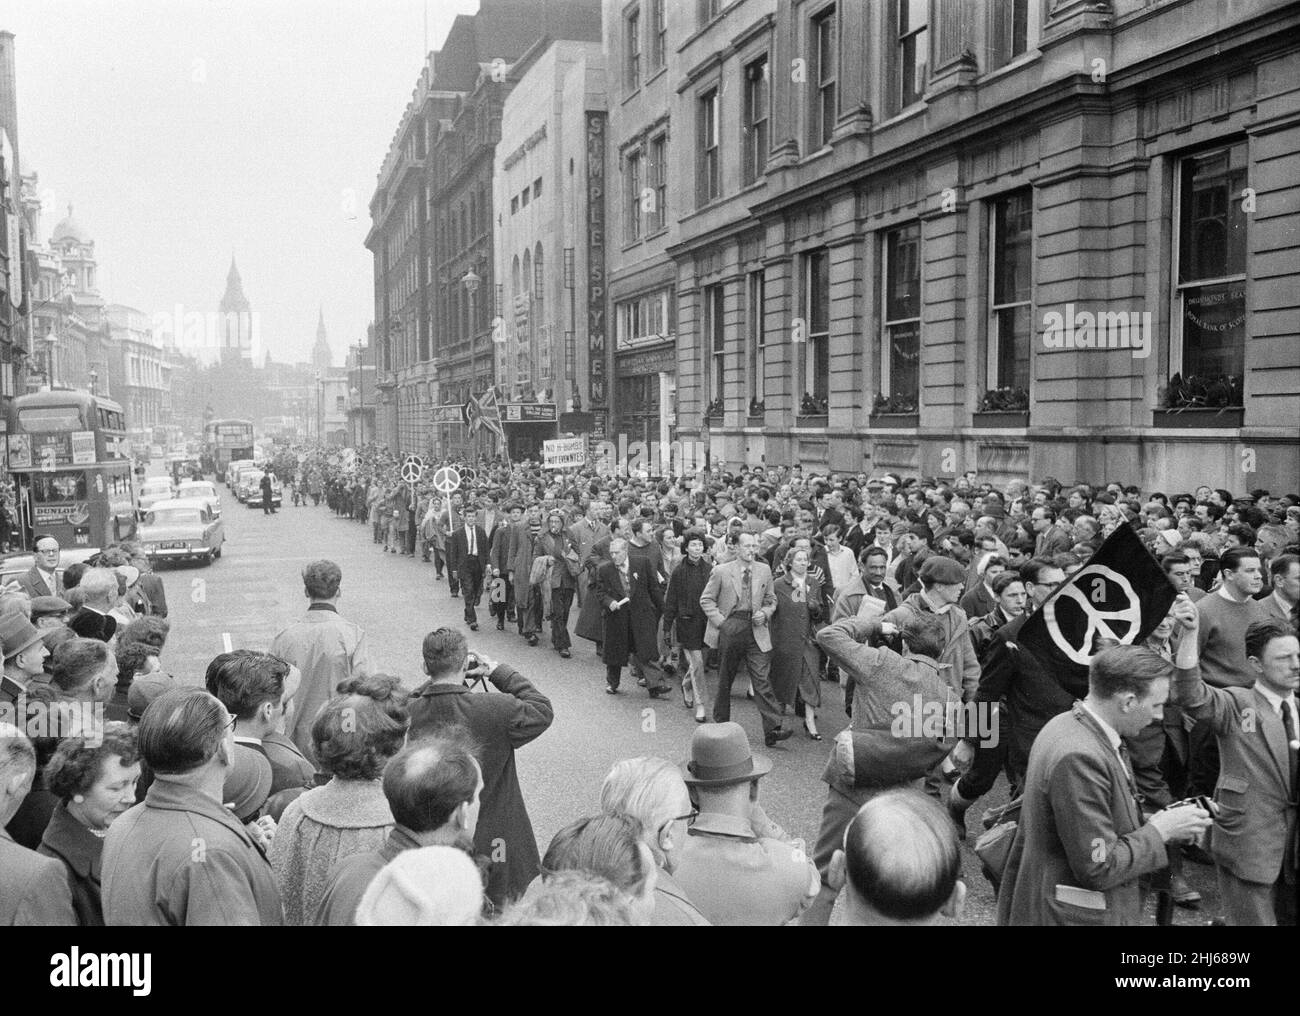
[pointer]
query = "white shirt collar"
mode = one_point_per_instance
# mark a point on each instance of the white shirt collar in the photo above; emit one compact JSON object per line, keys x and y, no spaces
{"x":1112,"y":735}
{"x":1274,"y":699}
{"x":1223,"y":592}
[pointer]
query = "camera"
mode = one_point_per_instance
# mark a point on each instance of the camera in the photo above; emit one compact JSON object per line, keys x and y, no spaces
{"x":1206,"y":805}
{"x":476,"y":670}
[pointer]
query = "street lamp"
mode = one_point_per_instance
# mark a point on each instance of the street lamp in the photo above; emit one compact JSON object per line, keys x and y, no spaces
{"x":320,"y":409}
{"x":471,"y":281}
{"x":51,"y":341}
{"x":360,"y":414}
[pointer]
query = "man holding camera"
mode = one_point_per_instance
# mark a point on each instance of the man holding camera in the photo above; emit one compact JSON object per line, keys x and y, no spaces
{"x":1081,"y":845}
{"x":457,"y":694}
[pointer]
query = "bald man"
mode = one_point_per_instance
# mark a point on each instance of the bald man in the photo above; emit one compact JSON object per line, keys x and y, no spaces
{"x":901,"y":864}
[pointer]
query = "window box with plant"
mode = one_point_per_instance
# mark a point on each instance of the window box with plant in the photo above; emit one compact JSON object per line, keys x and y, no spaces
{"x":895,"y":411}
{"x":756,"y":409}
{"x":1003,"y":407}
{"x":713,"y":411}
{"x":1190,"y":402}
{"x":813,"y":412}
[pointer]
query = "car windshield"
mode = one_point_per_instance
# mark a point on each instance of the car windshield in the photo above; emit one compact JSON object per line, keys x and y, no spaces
{"x":173,"y":517}
{"x":196,"y":490}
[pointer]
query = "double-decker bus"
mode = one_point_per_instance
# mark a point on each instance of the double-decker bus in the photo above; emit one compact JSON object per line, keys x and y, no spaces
{"x":224,"y":441}
{"x":71,"y":464}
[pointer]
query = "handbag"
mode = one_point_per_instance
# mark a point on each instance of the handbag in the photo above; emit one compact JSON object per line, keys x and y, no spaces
{"x":572,"y":563}
{"x":993,"y":847}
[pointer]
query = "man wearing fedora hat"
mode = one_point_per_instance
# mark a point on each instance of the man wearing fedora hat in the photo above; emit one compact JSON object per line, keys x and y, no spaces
{"x":24,"y":656}
{"x":733,"y":875}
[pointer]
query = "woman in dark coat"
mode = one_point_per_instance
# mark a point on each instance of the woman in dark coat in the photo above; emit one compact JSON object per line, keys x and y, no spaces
{"x":95,"y":783}
{"x":682,"y":608}
{"x":591,"y":618}
{"x":558,"y":544}
{"x":800,"y":612}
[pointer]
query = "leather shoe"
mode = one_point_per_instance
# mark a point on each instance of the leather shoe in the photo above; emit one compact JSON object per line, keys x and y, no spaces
{"x":473,"y":626}
{"x":565,"y":654}
{"x":771,"y":737}
{"x":610,"y":691}
{"x":659,"y":692}
{"x":501,"y":625}
{"x":1182,"y":893}
{"x":532,"y":640}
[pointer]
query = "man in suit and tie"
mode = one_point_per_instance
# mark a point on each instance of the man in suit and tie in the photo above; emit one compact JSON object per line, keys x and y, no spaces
{"x":42,"y":578}
{"x":632,"y":604}
{"x":1279,"y":605}
{"x":739,"y":600}
{"x":467,"y":554}
{"x":448,"y":518}
{"x":1254,"y":842}
{"x":585,"y":534}
{"x":1049,"y":539}
{"x":1081,"y":845}
{"x":500,"y":541}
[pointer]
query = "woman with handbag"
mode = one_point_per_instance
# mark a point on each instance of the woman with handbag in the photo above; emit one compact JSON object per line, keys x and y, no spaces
{"x":684,"y":616}
{"x":800,"y":612}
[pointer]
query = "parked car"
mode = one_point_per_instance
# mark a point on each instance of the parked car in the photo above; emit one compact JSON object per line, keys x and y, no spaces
{"x":153,"y":490}
{"x":233,"y":470}
{"x":181,"y":530}
{"x":250,"y":486}
{"x":200,"y":490}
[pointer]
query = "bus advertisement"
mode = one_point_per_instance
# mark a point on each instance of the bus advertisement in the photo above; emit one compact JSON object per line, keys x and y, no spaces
{"x":71,"y":464}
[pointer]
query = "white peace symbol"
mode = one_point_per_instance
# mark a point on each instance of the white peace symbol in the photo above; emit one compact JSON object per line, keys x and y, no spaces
{"x":412,"y":468}
{"x":1097,"y":619}
{"x":446,"y":480}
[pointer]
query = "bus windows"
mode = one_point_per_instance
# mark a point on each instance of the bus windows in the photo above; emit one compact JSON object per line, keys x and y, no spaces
{"x":51,"y":488}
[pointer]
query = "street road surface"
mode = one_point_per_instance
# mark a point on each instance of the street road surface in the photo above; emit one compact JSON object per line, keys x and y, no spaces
{"x":256,"y":588}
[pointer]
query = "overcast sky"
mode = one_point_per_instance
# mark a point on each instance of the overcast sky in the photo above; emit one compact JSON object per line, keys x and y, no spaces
{"x":184,"y":130}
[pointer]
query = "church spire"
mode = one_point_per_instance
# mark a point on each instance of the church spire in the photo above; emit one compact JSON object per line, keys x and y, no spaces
{"x":321,"y":357}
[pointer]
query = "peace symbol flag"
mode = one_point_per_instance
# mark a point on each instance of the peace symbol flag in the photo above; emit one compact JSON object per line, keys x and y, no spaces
{"x":1121,"y":594}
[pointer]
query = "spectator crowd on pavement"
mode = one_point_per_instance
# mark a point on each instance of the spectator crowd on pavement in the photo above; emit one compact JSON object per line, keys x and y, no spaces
{"x":325,"y":792}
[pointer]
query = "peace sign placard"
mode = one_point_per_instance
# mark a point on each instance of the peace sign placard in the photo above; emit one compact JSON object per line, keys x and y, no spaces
{"x":412,"y":468}
{"x":446,"y":480}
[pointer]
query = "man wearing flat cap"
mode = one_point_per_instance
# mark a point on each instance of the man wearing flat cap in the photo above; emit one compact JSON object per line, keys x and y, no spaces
{"x":731,"y":872}
{"x":943,"y":581}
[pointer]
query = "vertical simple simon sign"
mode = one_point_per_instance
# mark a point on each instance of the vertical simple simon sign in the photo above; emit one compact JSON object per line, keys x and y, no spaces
{"x":596,"y":259}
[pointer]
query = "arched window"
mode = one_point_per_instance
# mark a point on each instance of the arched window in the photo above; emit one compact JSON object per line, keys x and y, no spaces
{"x":539,"y":275}
{"x":514,"y":277}
{"x":482,"y":226}
{"x":527,"y":279}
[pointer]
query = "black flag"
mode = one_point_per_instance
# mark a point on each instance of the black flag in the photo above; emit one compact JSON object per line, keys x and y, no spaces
{"x":1121,"y":593}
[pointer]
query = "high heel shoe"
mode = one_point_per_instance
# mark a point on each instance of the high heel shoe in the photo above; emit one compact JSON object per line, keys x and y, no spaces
{"x":811,"y":733}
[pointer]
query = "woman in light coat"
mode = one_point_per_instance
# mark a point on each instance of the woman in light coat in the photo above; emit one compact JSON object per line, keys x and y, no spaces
{"x":354,"y":737}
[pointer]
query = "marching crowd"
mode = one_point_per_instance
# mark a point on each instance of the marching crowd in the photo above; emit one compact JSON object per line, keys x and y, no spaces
{"x":327,"y":793}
